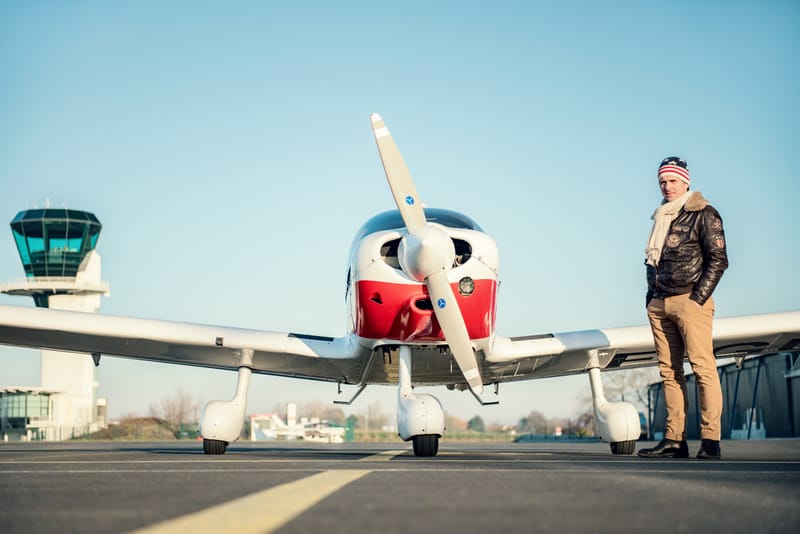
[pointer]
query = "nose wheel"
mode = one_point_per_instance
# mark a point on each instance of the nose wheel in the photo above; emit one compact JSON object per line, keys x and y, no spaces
{"x":426,"y":445}
{"x":214,"y":446}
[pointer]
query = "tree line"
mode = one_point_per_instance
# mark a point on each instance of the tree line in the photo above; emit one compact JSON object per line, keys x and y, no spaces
{"x":181,"y":408}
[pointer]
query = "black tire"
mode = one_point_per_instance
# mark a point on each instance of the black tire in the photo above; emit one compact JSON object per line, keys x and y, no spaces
{"x":426,"y":445}
{"x":623,"y":447}
{"x":214,"y":446}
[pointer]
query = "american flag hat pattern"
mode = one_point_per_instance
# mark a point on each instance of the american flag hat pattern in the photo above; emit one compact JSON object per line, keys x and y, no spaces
{"x":674,"y":166}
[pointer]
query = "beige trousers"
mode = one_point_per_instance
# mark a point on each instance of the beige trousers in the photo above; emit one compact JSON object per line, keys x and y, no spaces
{"x":680,"y":326}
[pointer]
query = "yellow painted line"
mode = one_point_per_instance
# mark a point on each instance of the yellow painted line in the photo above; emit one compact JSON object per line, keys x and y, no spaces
{"x":94,"y":461}
{"x":384,"y":456}
{"x":261,"y":512}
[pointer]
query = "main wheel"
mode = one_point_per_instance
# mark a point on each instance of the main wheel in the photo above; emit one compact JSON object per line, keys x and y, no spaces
{"x":426,"y":445}
{"x":623,"y":447}
{"x":214,"y":446}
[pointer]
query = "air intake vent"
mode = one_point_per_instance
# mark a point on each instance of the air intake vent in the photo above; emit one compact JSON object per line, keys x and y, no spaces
{"x":423,"y":304}
{"x":463,"y":252}
{"x":389,"y":253}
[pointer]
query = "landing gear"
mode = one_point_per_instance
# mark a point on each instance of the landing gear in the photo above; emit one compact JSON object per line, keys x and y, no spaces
{"x":420,"y":418}
{"x":221,"y":421}
{"x":617,"y":423}
{"x":426,"y":445}
{"x":214,"y":446}
{"x":623,"y":447}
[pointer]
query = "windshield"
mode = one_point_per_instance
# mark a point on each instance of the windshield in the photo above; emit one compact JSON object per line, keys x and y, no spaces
{"x":391,"y":220}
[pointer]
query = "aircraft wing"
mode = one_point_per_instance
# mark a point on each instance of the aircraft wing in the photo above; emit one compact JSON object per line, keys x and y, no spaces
{"x":276,"y":353}
{"x":343,"y":360}
{"x":566,"y":353}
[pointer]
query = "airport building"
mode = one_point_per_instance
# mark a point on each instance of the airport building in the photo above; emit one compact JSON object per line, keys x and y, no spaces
{"x":761,"y":399}
{"x":62,"y":271}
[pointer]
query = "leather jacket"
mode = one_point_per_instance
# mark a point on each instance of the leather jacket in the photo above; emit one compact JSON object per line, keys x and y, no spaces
{"x":693,"y":257}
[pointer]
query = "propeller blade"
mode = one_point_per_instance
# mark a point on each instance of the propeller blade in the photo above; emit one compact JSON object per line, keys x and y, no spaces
{"x":400,"y":181}
{"x":426,"y":253}
{"x":450,"y":319}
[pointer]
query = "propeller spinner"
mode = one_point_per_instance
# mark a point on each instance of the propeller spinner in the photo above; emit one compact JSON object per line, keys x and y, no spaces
{"x":426,"y":253}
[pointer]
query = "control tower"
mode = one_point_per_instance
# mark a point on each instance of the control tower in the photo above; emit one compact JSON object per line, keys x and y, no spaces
{"x":62,"y":268}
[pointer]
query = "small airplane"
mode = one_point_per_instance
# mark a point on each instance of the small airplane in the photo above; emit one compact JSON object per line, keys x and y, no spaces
{"x":421,"y":302}
{"x":271,"y":426}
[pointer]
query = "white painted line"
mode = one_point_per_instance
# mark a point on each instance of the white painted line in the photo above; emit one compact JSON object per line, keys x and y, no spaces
{"x":413,"y":467}
{"x":384,"y":456}
{"x":381,"y":132}
{"x":261,"y":512}
{"x":94,"y":461}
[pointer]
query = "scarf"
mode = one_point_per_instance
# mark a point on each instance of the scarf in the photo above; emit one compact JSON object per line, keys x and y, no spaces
{"x":662,"y":219}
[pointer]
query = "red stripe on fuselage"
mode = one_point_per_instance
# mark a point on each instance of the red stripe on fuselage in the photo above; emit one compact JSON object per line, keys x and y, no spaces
{"x":390,"y":311}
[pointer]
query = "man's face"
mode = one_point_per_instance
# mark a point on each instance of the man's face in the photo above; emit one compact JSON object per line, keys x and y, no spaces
{"x":672,"y":187}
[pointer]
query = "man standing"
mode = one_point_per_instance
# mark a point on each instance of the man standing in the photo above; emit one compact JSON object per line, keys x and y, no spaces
{"x":685,"y":260}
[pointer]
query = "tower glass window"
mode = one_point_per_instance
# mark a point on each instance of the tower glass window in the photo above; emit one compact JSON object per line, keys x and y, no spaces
{"x":54,"y":242}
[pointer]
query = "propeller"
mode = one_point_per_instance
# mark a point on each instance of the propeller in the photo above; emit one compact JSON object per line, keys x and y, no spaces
{"x":425,"y":254}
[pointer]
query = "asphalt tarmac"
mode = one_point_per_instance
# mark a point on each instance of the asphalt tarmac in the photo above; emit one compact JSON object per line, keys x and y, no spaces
{"x":296,"y":487}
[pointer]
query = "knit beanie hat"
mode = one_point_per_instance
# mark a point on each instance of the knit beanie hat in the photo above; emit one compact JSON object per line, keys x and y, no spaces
{"x":676,"y":167}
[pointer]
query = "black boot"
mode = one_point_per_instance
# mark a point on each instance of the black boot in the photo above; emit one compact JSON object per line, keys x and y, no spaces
{"x":709,"y":450}
{"x":667,"y":448}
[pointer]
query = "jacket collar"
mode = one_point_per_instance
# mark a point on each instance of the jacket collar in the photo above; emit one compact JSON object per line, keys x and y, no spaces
{"x":696,"y":202}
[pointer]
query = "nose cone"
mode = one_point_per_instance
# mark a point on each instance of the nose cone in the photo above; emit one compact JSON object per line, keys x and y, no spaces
{"x":425,"y":252}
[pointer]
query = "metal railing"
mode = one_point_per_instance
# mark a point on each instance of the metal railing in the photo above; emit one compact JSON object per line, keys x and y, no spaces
{"x":53,"y":283}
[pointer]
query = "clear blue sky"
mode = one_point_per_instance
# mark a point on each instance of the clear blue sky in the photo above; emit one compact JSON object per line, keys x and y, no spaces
{"x":226,"y":148}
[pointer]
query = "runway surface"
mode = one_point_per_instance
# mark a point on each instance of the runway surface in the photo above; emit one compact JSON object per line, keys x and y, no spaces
{"x":294,"y":487}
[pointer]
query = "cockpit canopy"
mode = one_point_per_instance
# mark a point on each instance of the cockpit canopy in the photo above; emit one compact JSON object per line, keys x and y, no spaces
{"x":391,"y":220}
